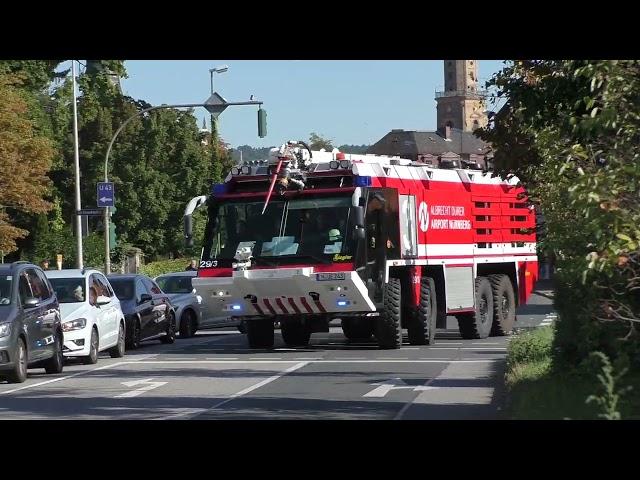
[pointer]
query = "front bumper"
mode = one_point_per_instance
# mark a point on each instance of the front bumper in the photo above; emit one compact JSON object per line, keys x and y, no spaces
{"x":77,"y":342}
{"x":283,"y":291}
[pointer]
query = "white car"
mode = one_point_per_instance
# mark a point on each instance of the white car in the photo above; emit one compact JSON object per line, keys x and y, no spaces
{"x":92,"y":320}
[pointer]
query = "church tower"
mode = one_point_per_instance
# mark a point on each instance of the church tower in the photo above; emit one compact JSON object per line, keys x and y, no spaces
{"x":461,"y":105}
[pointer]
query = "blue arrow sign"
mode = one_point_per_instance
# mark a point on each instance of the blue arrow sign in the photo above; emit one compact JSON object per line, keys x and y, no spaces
{"x":105,"y":194}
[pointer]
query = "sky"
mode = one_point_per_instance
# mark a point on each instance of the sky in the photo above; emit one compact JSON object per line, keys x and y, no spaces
{"x":349,"y":101}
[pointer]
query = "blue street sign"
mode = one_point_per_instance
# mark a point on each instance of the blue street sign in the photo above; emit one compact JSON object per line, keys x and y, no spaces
{"x":105,"y":194}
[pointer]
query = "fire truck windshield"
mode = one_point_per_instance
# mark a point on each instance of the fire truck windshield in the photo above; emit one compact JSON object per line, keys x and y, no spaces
{"x":307,"y":230}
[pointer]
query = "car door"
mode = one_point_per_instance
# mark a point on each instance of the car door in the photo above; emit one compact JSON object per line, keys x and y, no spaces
{"x":160,"y":305}
{"x":36,"y":348}
{"x":100,"y":314}
{"x":110,"y":311}
{"x":50,"y":311}
{"x":144,"y":309}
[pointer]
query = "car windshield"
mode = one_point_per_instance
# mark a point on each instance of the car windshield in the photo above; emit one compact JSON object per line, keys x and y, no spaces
{"x":123,"y":287}
{"x":5,"y":289}
{"x":69,"y":290}
{"x":309,"y":229}
{"x":175,"y":284}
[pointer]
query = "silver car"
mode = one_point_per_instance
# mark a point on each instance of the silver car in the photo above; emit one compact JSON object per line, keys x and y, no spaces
{"x":187,"y":302}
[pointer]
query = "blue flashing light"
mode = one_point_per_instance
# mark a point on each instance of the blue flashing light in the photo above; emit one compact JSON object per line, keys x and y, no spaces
{"x":362,"y":181}
{"x":342,"y":303}
{"x":219,"y":188}
{"x":236,"y":307}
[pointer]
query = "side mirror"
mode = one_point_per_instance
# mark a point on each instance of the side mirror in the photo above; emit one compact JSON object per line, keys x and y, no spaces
{"x":359,"y":233}
{"x":188,"y":230}
{"x":102,"y":300}
{"x":358,"y":216}
{"x":31,"y":302}
{"x":145,"y":297}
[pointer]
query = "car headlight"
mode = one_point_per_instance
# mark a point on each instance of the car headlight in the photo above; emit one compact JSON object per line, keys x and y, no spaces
{"x":5,"y":329}
{"x":199,"y":298}
{"x":77,"y":324}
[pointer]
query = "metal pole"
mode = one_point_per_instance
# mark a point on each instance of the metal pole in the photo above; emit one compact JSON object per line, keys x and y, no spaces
{"x":79,"y":262}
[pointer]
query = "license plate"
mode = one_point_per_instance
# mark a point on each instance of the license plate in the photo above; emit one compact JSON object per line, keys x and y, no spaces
{"x":321,"y":277}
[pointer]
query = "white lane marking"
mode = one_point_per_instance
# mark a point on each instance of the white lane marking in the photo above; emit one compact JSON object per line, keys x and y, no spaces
{"x":350,"y":358}
{"x":392,"y":358}
{"x":265,"y":358}
{"x":144,"y":357}
{"x":190,"y":412}
{"x":261,"y":384}
{"x":408,"y":404}
{"x":147,"y":385}
{"x":221,"y":358}
{"x":160,"y":362}
{"x":394,"y":384}
{"x":65,"y":378}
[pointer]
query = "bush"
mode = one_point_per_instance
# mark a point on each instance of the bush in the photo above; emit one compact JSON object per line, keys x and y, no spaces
{"x":530,"y":347}
{"x":161,"y":267}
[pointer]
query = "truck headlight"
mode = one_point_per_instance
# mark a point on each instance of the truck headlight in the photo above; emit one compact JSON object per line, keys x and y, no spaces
{"x":77,"y":324}
{"x":199,"y":298}
{"x":5,"y":329}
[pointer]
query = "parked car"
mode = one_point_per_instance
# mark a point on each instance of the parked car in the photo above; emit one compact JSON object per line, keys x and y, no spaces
{"x":92,"y":320}
{"x":148,"y":311}
{"x":30,"y":322}
{"x":184,"y":299}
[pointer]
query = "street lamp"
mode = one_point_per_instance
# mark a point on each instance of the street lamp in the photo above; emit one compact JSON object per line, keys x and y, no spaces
{"x":218,"y":69}
{"x":79,"y":261}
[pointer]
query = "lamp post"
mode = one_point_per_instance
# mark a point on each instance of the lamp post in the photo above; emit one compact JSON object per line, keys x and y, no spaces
{"x":79,"y":261}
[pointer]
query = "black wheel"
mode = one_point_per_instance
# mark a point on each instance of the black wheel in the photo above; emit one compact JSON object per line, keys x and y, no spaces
{"x":294,"y":332}
{"x":358,"y":328}
{"x":93,"y":349}
{"x":478,"y":324}
{"x":56,"y":363}
{"x":18,"y":373}
{"x":242,"y":327}
{"x":504,"y":305}
{"x":117,"y":351}
{"x":187,"y":324}
{"x":170,"y":336}
{"x":422,"y":329}
{"x":260,"y":333}
{"x":134,"y":338}
{"x":388,"y":327}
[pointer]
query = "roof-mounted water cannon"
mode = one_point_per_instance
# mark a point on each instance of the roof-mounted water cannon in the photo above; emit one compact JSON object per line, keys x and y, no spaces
{"x":285,"y":164}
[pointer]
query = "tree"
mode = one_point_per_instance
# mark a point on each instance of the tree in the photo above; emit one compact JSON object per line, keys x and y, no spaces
{"x":317,"y":142}
{"x":25,"y":159}
{"x":570,"y":130}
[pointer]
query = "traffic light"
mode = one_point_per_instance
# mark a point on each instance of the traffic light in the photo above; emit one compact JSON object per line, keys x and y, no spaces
{"x":112,"y":235}
{"x":262,"y":123}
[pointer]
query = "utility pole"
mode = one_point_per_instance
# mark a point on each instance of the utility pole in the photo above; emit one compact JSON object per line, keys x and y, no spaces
{"x":79,"y":260}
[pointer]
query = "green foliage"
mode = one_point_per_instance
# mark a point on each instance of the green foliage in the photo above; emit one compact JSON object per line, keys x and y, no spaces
{"x":608,"y":398}
{"x":529,"y":347}
{"x":570,"y":131}
{"x":161,"y":267}
{"x":317,"y":142}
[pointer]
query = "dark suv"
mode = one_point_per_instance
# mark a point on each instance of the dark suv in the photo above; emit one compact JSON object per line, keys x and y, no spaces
{"x":30,"y":328}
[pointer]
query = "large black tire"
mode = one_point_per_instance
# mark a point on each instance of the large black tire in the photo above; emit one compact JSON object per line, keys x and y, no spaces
{"x":358,"y":328}
{"x":170,"y":335}
{"x":56,"y":363}
{"x":388,"y":325}
{"x":242,"y":327}
{"x":117,"y":351}
{"x":260,"y":333}
{"x":188,"y":324}
{"x":422,"y":328}
{"x":18,"y":373}
{"x":478,"y":324}
{"x":94,"y":345}
{"x":504,"y":305}
{"x":133,"y":341}
{"x":294,"y":332}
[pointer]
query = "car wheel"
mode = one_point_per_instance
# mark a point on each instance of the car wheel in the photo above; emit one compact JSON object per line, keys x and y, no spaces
{"x":19,"y":372}
{"x":56,"y":363}
{"x":187,"y":325}
{"x":92,"y":358}
{"x":118,"y":350}
{"x":170,"y":336}
{"x":134,"y":339}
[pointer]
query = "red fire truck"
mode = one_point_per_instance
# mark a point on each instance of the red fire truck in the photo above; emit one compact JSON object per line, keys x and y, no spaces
{"x":382,"y":243}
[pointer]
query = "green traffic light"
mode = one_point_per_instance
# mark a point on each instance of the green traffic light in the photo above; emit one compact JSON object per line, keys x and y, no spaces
{"x":262,"y":123}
